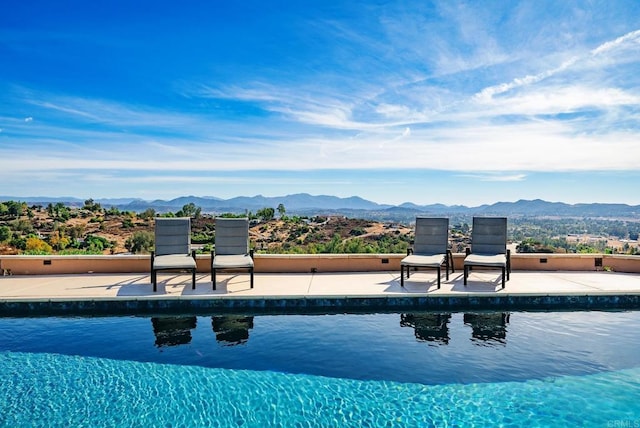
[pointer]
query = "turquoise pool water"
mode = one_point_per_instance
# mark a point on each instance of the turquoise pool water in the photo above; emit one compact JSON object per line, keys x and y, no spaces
{"x":420,"y":369}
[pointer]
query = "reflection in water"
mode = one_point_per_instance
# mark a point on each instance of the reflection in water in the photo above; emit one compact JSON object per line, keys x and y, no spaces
{"x":429,"y":327}
{"x":232,"y":329}
{"x":172,"y":331}
{"x":488,"y":327}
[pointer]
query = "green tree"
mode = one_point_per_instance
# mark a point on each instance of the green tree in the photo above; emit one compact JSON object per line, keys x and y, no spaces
{"x":266,"y":214}
{"x":140,"y":242}
{"x":189,"y":210}
{"x":5,"y":233}
{"x":90,"y":205}
{"x":96,"y":244}
{"x":112,"y":211}
{"x":148,"y":214}
{"x":16,"y":209}
{"x":281,"y":210}
{"x":18,"y":242}
{"x":61,"y":211}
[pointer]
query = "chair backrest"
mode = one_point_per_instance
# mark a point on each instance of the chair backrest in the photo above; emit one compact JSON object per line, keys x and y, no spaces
{"x":489,"y":235}
{"x":173,"y":236}
{"x":432,"y":235}
{"x":232,"y":236}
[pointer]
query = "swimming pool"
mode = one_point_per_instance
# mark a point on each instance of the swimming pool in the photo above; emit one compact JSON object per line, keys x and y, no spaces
{"x":384,"y":369}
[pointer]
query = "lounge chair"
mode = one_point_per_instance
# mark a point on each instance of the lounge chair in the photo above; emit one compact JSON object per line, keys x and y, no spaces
{"x":430,"y":248}
{"x":231,"y":247}
{"x":173,"y":248}
{"x":488,"y":246}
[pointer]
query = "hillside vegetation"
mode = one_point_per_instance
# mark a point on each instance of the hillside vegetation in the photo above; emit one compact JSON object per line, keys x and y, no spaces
{"x":57,"y":229}
{"x":92,"y":229}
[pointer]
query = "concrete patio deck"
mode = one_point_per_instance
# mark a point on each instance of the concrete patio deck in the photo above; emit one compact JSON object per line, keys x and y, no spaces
{"x":283,"y":291}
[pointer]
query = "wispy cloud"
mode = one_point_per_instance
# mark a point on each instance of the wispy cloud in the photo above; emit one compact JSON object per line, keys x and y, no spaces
{"x":495,"y":177}
{"x":630,"y":41}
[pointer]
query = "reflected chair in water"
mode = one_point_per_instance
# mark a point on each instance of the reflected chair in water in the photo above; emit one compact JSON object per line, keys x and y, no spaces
{"x":232,"y":330}
{"x":173,"y":331}
{"x":429,"y":327}
{"x":488,"y":327}
{"x":173,"y":248}
{"x":430,"y":248}
{"x":488,"y":246}
{"x":231,"y":249}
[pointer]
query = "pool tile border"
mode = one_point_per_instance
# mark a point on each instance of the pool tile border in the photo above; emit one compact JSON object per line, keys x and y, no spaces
{"x":325,"y":304}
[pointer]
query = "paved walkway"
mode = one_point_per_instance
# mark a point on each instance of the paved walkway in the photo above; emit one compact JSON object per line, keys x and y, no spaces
{"x":337,"y":285}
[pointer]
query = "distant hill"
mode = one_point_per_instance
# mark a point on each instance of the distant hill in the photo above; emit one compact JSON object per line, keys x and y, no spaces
{"x":306,"y":204}
{"x":292,"y":203}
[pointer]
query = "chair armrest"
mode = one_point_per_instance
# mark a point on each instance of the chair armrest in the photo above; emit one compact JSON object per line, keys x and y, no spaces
{"x":409,"y":251}
{"x":153,"y":256}
{"x":251,"y":253}
{"x":467,"y":251}
{"x":193,"y":254}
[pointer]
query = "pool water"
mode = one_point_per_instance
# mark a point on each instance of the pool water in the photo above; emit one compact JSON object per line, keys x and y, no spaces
{"x":392,"y":369}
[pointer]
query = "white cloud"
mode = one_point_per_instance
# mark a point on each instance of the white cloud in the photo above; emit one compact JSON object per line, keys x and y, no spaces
{"x":535,"y":146}
{"x":557,"y":99}
{"x":632,"y":38}
{"x":496,"y":177}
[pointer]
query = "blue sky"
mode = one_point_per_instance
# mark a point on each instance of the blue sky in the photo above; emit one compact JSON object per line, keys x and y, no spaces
{"x":423,"y":101}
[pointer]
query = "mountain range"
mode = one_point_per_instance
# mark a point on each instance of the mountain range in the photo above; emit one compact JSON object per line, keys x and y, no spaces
{"x":305,"y":204}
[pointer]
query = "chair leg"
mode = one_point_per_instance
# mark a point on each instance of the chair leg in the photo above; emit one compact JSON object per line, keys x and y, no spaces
{"x":213,"y":277}
{"x":402,"y":276}
{"x":193,"y":279}
{"x":438,"y":277}
{"x":503,"y":275}
{"x":466,"y":274}
{"x":154,"y":278}
{"x":251,"y":271}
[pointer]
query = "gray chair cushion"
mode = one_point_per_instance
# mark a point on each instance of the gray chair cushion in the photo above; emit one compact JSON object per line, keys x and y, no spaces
{"x":434,"y":260}
{"x":492,"y":260}
{"x":174,"y":261}
{"x":232,"y":261}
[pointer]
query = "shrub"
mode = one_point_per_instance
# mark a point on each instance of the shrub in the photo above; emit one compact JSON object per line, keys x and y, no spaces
{"x":140,"y":242}
{"x":5,"y":233}
{"x":36,"y":245}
